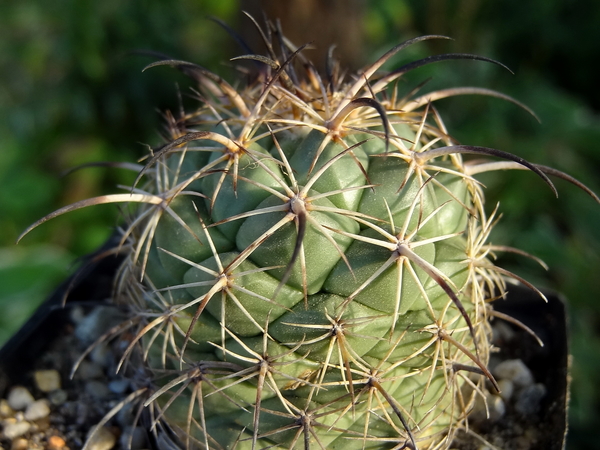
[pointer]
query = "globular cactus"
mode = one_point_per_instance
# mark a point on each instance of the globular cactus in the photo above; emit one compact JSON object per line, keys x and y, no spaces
{"x":307,"y":264}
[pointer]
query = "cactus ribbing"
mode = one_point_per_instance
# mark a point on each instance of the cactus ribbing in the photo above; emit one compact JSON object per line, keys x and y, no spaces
{"x":308,"y":266}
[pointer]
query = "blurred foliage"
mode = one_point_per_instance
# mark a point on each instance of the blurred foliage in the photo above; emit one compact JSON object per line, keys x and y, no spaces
{"x":71,"y":92}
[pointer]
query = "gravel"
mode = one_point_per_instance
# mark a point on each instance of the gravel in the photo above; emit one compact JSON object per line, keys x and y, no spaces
{"x":19,"y":398}
{"x":39,"y":409}
{"x":514,"y":370}
{"x":49,"y":411}
{"x":47,"y":380}
{"x":101,"y":439}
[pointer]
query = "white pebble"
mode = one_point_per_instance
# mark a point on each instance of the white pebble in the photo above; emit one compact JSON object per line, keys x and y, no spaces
{"x":101,"y":439}
{"x":493,"y":408}
{"x":47,"y":380}
{"x":529,"y":400}
{"x":516,"y":371}
{"x":37,"y":410}
{"x":19,"y":398}
{"x":5,"y":409}
{"x":497,"y":407}
{"x":507,"y":389}
{"x":15,"y":429}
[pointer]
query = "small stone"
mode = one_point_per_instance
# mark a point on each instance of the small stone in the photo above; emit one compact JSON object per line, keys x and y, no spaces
{"x":102,"y":355}
{"x":58,"y":397}
{"x":506,"y":389}
{"x":95,"y":324}
{"x":37,"y":410}
{"x":20,"y":444}
{"x":97,"y":389}
{"x":77,"y":314}
{"x":492,"y":408}
{"x":88,"y":370}
{"x":19,"y":398}
{"x":42,"y":425}
{"x":497,"y":407}
{"x":5,"y":409}
{"x":502,"y":333}
{"x":15,"y":429}
{"x":56,"y":443}
{"x":118,"y":386}
{"x":516,"y":371}
{"x":47,"y":380}
{"x":101,"y":439}
{"x":529,"y":400}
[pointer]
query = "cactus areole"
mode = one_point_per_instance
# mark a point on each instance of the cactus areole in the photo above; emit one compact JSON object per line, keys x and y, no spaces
{"x":307,"y":264}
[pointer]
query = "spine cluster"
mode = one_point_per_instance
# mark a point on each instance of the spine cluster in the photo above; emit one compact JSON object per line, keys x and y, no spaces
{"x":307,"y":263}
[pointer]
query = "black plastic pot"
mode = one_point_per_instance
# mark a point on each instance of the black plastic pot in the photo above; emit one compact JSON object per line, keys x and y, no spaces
{"x":90,"y":285}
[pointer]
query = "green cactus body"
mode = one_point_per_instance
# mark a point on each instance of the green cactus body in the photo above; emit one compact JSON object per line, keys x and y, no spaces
{"x":308,"y":265}
{"x":317,"y":272}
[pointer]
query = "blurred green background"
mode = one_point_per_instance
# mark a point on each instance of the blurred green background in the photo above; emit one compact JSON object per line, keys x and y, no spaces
{"x":71,"y":92}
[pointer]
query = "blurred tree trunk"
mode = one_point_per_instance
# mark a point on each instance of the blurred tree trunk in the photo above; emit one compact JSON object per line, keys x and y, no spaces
{"x":322,"y":23}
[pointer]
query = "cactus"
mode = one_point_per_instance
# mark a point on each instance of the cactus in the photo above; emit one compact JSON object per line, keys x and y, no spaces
{"x":307,"y":262}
